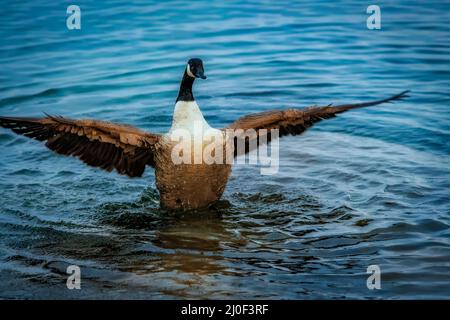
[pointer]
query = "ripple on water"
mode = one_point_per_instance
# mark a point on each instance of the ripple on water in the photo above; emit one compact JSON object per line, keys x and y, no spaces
{"x":369,"y":187}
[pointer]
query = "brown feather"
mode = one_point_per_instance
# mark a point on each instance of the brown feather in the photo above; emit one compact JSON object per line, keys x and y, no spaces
{"x":293,"y":121}
{"x":97,"y":143}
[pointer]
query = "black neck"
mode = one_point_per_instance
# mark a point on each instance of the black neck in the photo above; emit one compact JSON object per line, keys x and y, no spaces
{"x":185,"y":93}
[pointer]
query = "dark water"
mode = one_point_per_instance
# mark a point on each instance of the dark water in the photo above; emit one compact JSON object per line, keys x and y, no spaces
{"x":370,"y":187}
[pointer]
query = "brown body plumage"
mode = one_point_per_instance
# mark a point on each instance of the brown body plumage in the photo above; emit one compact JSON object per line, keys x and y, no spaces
{"x":129,"y":150}
{"x":187,"y":186}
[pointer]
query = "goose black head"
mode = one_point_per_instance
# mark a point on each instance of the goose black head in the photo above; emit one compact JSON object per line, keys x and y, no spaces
{"x":195,"y":69}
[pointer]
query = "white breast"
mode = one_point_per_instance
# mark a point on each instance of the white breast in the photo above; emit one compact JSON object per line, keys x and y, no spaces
{"x":187,"y":116}
{"x":192,"y":138}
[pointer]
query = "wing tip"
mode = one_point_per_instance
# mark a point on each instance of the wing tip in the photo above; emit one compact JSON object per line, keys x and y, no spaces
{"x":401,"y":95}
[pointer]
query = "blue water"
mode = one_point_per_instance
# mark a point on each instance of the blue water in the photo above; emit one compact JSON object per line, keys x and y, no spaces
{"x":369,"y":187}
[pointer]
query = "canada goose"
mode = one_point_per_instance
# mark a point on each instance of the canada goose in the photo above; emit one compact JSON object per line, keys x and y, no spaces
{"x":129,"y":150}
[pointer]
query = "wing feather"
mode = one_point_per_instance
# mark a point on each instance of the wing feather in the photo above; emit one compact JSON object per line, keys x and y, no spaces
{"x":97,"y":143}
{"x":292,"y":121}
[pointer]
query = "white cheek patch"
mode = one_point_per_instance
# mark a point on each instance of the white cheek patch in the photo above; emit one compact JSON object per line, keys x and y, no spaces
{"x":188,"y":70}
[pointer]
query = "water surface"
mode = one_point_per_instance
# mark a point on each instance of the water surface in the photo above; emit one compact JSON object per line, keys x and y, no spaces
{"x":369,"y":187}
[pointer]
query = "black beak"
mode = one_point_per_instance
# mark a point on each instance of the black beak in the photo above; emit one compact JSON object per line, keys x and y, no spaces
{"x":200,"y":74}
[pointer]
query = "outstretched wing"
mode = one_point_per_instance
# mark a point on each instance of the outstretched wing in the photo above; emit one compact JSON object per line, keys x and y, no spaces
{"x":97,"y":143}
{"x":292,"y":121}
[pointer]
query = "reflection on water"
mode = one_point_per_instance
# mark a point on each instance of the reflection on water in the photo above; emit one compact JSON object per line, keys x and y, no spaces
{"x":254,"y":243}
{"x":369,"y":187}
